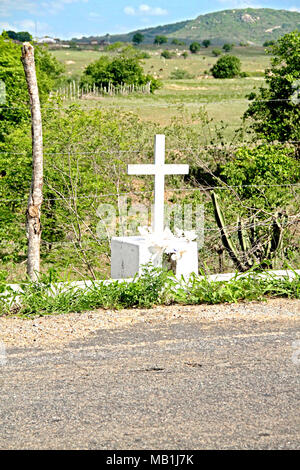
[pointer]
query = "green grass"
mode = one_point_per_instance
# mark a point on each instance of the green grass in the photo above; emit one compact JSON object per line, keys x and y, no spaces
{"x":154,"y":287}
{"x":163,"y":105}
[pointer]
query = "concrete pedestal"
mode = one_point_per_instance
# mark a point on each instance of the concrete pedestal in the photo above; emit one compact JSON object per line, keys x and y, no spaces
{"x":129,"y":254}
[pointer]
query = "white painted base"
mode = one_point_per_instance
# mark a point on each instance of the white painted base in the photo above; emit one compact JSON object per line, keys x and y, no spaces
{"x":129,"y":254}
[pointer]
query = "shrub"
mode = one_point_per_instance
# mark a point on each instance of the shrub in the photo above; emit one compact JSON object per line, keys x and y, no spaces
{"x":160,"y":40}
{"x":138,"y":38}
{"x":184,"y":55}
{"x":216,"y":52}
{"x":195,"y":47}
{"x":264,"y":164}
{"x":268,"y":43}
{"x":118,"y":70}
{"x":167,"y":54}
{"x":206,"y":43}
{"x":180,"y":74}
{"x":275,"y":110}
{"x":227,"y":66}
{"x":178,"y":42}
{"x":228,"y":47}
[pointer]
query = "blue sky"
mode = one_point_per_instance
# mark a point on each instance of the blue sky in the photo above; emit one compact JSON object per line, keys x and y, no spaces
{"x":75,"y":18}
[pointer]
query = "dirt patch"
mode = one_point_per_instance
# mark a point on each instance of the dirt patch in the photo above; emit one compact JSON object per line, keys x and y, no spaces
{"x":48,"y":331}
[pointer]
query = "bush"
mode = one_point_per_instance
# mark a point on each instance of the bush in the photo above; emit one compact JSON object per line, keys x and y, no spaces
{"x":275,"y":110}
{"x":184,"y":55}
{"x":160,"y":40}
{"x":268,"y":43}
{"x":227,"y":66}
{"x":206,"y":43}
{"x":121,"y":69}
{"x":178,"y":42}
{"x":143,"y":55}
{"x":216,"y":52}
{"x":138,"y":38}
{"x":180,"y":74}
{"x":195,"y":47}
{"x":264,"y":164}
{"x":228,"y":47}
{"x":167,"y":54}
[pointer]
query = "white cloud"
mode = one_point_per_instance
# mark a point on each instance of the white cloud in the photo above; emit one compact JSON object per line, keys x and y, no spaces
{"x":9,"y":7}
{"x":240,"y":4}
{"x":294,"y":9}
{"x":93,"y":14}
{"x":145,"y":10}
{"x":43,"y":29}
{"x":129,"y":11}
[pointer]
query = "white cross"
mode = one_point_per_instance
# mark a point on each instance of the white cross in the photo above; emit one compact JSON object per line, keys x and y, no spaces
{"x":159,"y":169}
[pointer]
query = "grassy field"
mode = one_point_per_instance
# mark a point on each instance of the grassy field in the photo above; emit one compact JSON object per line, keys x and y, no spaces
{"x":225,"y":100}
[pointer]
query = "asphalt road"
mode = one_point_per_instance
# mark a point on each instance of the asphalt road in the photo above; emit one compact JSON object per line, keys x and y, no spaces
{"x":176,"y":385}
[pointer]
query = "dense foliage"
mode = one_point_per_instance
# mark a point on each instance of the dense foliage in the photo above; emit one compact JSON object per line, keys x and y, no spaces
{"x":138,"y":38}
{"x":125,"y":68}
{"x":195,"y":47}
{"x":21,"y":36}
{"x":227,"y":66}
{"x":15,"y":110}
{"x":275,"y":110}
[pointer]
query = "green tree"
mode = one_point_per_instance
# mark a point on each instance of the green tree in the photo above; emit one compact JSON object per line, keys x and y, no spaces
{"x":268,"y":43}
{"x":275,"y":110}
{"x":195,"y":47}
{"x":177,"y":42}
{"x":216,"y":52}
{"x":21,"y":36}
{"x":125,"y":68}
{"x":15,"y":110}
{"x":228,"y":47}
{"x":138,"y":38}
{"x":160,"y":39}
{"x":227,"y":66}
{"x":206,"y":43}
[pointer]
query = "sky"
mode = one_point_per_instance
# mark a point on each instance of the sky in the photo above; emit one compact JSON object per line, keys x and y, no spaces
{"x":76,"y":18}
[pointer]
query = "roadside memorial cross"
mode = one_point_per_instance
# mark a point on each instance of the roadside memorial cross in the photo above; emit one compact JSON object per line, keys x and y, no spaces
{"x":129,"y":255}
{"x":159,"y":170}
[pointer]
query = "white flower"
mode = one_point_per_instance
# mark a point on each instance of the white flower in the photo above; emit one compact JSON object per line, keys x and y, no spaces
{"x":190,"y":235}
{"x":167,"y":242}
{"x":179,"y":233}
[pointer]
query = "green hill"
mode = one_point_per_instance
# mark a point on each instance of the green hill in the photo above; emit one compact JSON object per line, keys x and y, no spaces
{"x":252,"y":25}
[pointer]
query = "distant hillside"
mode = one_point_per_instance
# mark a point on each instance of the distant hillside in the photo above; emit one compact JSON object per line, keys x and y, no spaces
{"x":253,"y":25}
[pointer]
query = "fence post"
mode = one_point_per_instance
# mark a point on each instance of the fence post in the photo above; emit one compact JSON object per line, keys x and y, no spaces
{"x":33,"y":214}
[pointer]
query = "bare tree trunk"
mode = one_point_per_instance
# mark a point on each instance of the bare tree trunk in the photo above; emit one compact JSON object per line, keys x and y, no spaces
{"x":33,"y":224}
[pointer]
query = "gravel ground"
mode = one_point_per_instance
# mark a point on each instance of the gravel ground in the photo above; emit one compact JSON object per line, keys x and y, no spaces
{"x":48,"y":331}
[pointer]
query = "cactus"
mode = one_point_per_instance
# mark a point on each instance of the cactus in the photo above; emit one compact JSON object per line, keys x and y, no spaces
{"x":250,"y":250}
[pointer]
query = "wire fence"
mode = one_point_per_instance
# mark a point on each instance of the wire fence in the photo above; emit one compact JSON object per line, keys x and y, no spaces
{"x":72,"y":236}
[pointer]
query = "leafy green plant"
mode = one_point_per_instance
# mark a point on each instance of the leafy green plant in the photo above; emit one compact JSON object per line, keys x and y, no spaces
{"x":154,"y":287}
{"x":227,"y":66}
{"x":180,"y":74}
{"x":206,"y":43}
{"x":274,"y":112}
{"x":195,"y":47}
{"x":167,"y":54}
{"x":138,"y":38}
{"x":15,"y":110}
{"x":216,"y":52}
{"x":125,"y":68}
{"x":228,"y":47}
{"x":160,"y":39}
